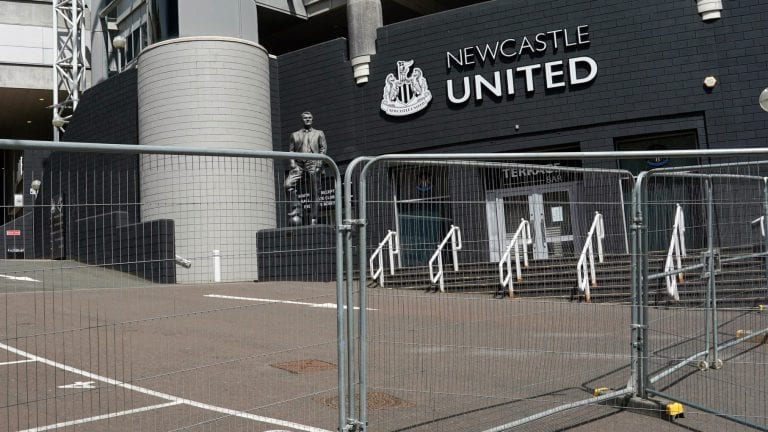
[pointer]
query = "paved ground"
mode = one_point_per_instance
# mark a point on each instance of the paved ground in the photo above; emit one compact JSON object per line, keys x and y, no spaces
{"x":128,"y":356}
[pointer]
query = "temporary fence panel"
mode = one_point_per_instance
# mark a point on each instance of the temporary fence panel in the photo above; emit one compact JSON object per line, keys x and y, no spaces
{"x":160,"y":288}
{"x":156,"y":288}
{"x":463,"y":359}
{"x":707,"y":348}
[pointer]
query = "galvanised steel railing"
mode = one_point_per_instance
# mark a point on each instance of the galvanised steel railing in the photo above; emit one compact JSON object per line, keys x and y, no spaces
{"x":392,"y":243}
{"x":675,"y":253}
{"x":761,"y":221}
{"x":584,"y":273}
{"x":522,"y":238}
{"x":454,"y":236}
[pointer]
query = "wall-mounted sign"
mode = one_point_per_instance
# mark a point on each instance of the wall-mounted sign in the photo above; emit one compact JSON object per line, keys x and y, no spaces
{"x":535,"y":173}
{"x":554,"y":74}
{"x":13,"y":233}
{"x":407,"y":93}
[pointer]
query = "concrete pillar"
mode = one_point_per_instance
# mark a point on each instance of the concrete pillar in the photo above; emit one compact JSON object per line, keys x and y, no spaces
{"x":207,"y":92}
{"x":363,"y":19}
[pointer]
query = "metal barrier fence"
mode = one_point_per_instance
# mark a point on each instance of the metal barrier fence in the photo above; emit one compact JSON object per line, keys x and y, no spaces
{"x":704,"y":350}
{"x":162,"y":288}
{"x":464,"y":360}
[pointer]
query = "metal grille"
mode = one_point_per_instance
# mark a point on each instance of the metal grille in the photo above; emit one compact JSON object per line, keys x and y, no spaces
{"x":552,"y":356}
{"x":465,"y":359}
{"x":156,"y":290}
{"x":152,"y":288}
{"x":705,"y":348}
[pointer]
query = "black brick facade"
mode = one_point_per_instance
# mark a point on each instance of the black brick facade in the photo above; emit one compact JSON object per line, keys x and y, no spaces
{"x":107,"y":112}
{"x":651,"y":59}
{"x":651,"y":63}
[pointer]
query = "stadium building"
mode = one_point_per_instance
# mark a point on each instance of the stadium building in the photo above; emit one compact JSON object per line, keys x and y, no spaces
{"x":401,"y":77}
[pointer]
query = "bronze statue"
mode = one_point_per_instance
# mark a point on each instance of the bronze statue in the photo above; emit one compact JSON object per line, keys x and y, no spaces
{"x":305,"y":140}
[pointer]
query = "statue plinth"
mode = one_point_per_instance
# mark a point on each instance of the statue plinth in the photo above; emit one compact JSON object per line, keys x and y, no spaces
{"x":299,"y":253}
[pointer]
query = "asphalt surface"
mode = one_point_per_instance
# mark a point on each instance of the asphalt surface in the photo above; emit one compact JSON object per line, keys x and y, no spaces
{"x":90,"y":349}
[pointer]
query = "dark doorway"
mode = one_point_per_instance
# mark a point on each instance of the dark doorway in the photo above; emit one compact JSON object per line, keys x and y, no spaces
{"x":665,"y":193}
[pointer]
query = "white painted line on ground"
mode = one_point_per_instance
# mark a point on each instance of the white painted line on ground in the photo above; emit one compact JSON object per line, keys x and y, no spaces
{"x":161,"y":395}
{"x":16,"y":362}
{"x":19,"y":278}
{"x":290,"y":302}
{"x":101,"y":417}
{"x":80,"y":385}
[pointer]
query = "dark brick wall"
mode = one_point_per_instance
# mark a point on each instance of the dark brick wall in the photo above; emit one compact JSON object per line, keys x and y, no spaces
{"x":109,"y":240}
{"x":88,"y":185}
{"x":107,"y":112}
{"x":651,"y":64}
{"x":95,"y":184}
{"x":304,"y":253}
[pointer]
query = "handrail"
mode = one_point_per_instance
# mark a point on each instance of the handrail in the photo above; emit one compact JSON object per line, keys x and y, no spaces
{"x":523,"y":234}
{"x":390,"y":239}
{"x":454,"y":235}
{"x":761,"y":221}
{"x":584,"y":273}
{"x":675,"y":253}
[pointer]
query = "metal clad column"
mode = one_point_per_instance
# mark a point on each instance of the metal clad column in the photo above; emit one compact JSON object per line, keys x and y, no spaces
{"x":363,"y":19}
{"x":207,"y":92}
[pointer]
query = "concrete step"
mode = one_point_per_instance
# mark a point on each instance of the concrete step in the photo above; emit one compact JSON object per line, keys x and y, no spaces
{"x":738,"y":283}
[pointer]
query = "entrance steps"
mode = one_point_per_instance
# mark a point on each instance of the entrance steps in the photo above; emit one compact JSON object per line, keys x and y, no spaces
{"x":741,"y":283}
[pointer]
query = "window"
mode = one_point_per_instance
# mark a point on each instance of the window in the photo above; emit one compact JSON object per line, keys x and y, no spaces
{"x":683,"y":140}
{"x":128,"y":19}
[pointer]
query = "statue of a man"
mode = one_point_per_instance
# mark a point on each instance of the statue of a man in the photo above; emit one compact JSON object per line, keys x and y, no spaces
{"x":305,"y":140}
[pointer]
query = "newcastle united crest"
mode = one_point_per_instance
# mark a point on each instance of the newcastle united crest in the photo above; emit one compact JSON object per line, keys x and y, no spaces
{"x":407,"y":93}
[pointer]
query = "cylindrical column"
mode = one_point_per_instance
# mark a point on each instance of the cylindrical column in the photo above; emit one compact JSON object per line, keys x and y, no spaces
{"x":208,"y":92}
{"x":363,"y":19}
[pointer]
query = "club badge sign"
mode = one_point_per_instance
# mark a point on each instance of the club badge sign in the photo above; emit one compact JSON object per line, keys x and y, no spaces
{"x":407,"y":93}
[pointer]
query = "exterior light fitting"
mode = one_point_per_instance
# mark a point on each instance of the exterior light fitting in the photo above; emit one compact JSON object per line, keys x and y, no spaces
{"x":763,"y":100}
{"x":710,"y":82}
{"x":58,"y":122}
{"x":118,"y":42}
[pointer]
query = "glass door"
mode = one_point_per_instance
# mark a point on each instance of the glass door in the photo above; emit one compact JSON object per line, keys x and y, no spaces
{"x":422,"y":227}
{"x":555,"y":217}
{"x":549,"y":214}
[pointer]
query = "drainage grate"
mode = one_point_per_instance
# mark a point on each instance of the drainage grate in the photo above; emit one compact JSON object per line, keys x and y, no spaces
{"x":304,"y":366}
{"x":376,"y":401}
